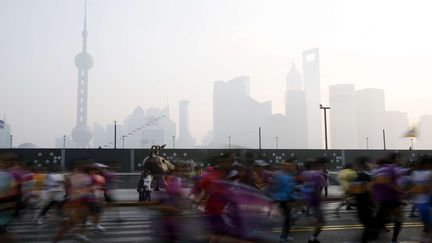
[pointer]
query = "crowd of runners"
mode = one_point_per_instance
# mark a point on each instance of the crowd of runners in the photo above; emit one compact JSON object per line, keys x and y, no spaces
{"x":234,"y":197}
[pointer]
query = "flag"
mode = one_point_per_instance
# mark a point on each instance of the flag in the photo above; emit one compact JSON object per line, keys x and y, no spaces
{"x":1,"y":124}
{"x":412,"y":133}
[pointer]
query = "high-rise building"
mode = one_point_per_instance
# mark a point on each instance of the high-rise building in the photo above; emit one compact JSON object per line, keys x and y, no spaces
{"x":295,"y":112}
{"x":343,"y":117}
{"x":185,"y":139}
{"x":81,"y":133}
{"x":396,"y":126}
{"x":312,"y":86}
{"x":424,"y":139}
{"x":276,"y":133}
{"x":158,"y":130}
{"x":370,"y":105}
{"x":236,"y":114}
{"x":5,"y":133}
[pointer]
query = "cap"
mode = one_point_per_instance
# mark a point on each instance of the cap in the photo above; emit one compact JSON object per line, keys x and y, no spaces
{"x":260,"y":162}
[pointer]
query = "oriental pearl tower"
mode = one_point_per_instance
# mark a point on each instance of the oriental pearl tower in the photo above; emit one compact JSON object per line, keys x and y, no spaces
{"x":81,"y":133}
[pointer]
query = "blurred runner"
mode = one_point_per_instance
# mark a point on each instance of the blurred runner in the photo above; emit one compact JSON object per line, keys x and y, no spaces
{"x":421,"y":195}
{"x":345,"y":177}
{"x":54,"y":184}
{"x":312,"y":183}
{"x":79,"y":186}
{"x":360,"y":190}
{"x":388,"y":195}
{"x":8,"y":198}
{"x":282,"y":192}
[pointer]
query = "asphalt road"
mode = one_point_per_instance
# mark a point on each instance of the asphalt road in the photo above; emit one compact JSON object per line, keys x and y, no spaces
{"x":146,"y":224}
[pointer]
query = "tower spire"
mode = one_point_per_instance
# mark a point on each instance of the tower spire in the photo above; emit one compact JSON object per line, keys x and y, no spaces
{"x":84,"y":32}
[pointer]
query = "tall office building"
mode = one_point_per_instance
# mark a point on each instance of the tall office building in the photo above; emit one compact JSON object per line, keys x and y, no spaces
{"x":81,"y":133}
{"x":185,"y":139}
{"x":343,"y":117}
{"x":236,"y":114}
{"x":424,"y":139}
{"x":312,"y":86}
{"x":146,"y":128}
{"x":5,"y":132}
{"x":277,"y":133}
{"x":295,"y":112}
{"x":370,"y":105}
{"x":396,"y":126}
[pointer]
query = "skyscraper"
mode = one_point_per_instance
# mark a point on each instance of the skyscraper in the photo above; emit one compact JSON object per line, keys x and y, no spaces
{"x":396,"y":126}
{"x":343,"y":117}
{"x":312,"y":86}
{"x":236,"y":114}
{"x":185,"y":139}
{"x":295,"y":112}
{"x":370,"y":105}
{"x":425,"y":132}
{"x":5,"y":132}
{"x":81,"y":133}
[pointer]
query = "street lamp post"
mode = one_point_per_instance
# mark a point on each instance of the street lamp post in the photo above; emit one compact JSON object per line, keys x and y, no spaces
{"x":11,"y":139}
{"x":277,"y":142}
{"x":229,"y":142}
{"x":367,"y":143}
{"x":259,"y":137}
{"x":325,"y":124}
{"x":412,"y":143}
{"x":173,"y":142}
{"x":64,"y":141}
{"x":123,"y":139}
{"x":115,"y":134}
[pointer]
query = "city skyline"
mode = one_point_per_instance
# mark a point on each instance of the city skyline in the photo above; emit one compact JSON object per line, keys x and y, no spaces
{"x":127,"y":67}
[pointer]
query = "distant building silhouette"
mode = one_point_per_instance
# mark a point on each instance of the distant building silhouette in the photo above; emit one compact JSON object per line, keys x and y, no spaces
{"x":277,"y":132}
{"x":207,"y":139}
{"x":424,"y":139}
{"x":236,"y":114}
{"x":81,"y":133}
{"x":295,"y":112}
{"x":312,"y":86}
{"x":370,"y":117}
{"x":5,"y":133}
{"x":185,"y":139}
{"x":145,"y":128}
{"x":68,"y":142}
{"x":343,"y":117}
{"x":157,"y":131}
{"x":396,"y":126}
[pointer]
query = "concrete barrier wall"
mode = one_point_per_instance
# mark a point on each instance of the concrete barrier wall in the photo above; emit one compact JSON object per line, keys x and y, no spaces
{"x":129,"y":160}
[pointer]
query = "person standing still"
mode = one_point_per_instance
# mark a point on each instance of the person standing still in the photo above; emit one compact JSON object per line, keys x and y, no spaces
{"x":144,"y":186}
{"x":148,"y":178}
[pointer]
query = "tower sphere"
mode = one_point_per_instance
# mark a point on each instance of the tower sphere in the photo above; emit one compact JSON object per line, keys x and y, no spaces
{"x":84,"y":61}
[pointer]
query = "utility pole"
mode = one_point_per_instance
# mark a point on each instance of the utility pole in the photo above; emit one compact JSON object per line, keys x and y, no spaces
{"x":412,"y":143}
{"x":11,"y":139}
{"x":277,"y":142}
{"x":64,"y":141}
{"x":259,"y":137}
{"x":115,"y":134}
{"x":229,"y":142}
{"x":367,"y":143}
{"x":174,"y":142}
{"x":384,"y":139}
{"x":325,"y":124}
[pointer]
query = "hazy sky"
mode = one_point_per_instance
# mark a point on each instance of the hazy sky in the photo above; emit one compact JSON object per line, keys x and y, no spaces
{"x":154,"y":52}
